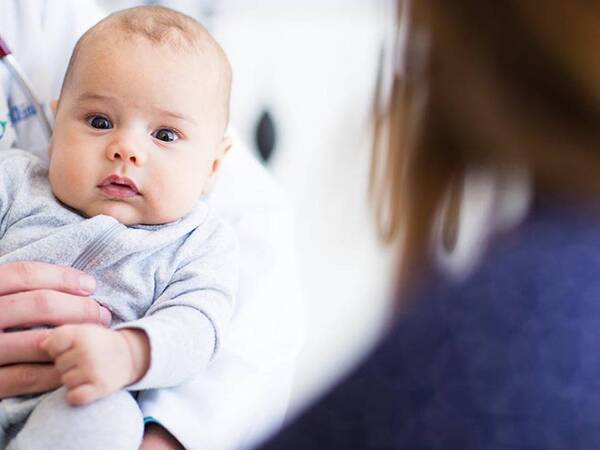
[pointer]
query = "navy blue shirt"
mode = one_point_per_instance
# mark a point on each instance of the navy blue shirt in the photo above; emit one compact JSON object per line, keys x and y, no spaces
{"x":509,"y":359}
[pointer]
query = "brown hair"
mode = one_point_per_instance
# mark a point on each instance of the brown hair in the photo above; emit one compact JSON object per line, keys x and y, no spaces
{"x":486,"y":84}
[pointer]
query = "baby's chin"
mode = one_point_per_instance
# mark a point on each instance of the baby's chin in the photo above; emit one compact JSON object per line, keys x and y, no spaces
{"x":124,"y":211}
{"x":128,"y":214}
{"x":121,"y":211}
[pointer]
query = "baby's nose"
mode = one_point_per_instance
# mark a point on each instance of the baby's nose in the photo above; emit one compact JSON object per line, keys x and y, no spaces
{"x":125,"y":153}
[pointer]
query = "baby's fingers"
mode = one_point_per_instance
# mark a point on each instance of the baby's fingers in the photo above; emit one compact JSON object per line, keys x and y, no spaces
{"x":74,"y":378}
{"x":83,"y":394}
{"x":67,"y":361}
{"x":58,"y":341}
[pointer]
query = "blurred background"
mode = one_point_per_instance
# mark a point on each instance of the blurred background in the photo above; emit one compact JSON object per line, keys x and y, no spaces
{"x":304,"y":81}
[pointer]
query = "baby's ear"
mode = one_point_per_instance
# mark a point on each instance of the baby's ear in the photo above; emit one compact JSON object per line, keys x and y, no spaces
{"x":224,"y":147}
{"x":54,"y":106}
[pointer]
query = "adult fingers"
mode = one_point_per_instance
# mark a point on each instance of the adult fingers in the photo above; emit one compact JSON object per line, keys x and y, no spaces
{"x":30,"y":275}
{"x":23,"y":379}
{"x":22,"y":347}
{"x":46,"y":307}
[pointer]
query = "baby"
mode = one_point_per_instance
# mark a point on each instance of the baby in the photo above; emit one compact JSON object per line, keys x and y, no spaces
{"x":138,"y":140}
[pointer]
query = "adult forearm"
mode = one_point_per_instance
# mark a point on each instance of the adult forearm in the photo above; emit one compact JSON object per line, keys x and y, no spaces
{"x":157,"y":438}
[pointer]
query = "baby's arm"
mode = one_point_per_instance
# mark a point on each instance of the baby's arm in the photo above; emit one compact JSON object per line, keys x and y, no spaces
{"x":174,"y":340}
{"x":186,"y":323}
{"x":94,"y":361}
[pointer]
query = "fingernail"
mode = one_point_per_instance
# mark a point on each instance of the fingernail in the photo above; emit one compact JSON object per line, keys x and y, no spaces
{"x":87,"y":283}
{"x":105,"y":316}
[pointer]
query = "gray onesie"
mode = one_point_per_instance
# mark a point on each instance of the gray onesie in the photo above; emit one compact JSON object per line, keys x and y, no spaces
{"x":175,"y":281}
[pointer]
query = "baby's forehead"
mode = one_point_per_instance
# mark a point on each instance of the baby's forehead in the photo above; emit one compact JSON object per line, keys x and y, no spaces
{"x":164,"y":27}
{"x":153,"y":29}
{"x":200,"y":49}
{"x":102,"y":48}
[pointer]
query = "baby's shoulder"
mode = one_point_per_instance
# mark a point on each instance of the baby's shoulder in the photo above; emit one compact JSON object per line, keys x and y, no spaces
{"x":211,"y":237}
{"x":18,"y":166}
{"x":15,"y":157}
{"x":214,"y":231}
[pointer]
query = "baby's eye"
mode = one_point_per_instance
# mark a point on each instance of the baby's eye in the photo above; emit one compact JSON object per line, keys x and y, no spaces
{"x":165,"y":135}
{"x":99,"y":122}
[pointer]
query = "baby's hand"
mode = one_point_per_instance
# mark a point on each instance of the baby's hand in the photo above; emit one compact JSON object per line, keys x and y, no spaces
{"x":93,"y":361}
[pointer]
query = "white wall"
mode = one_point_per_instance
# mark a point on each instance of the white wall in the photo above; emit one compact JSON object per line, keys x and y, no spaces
{"x":313,"y":64}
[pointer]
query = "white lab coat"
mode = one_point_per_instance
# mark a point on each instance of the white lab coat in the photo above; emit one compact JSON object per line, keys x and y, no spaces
{"x":244,"y":394}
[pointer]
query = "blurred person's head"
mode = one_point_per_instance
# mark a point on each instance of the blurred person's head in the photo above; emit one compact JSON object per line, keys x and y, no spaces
{"x":486,"y":85}
{"x":140,"y":122}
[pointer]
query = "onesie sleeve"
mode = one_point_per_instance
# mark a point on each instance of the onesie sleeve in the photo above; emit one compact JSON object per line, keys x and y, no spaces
{"x":186,"y":324}
{"x":15,"y":172}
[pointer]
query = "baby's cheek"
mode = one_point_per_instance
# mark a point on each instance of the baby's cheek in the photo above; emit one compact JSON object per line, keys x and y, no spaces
{"x":170,"y":202}
{"x":63,"y":183}
{"x":77,"y":188}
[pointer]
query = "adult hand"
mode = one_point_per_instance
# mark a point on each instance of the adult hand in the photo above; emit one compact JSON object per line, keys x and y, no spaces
{"x":157,"y":438}
{"x":34,"y":294}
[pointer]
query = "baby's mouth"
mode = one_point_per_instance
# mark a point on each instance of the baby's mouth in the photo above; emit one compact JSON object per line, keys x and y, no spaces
{"x":120,"y":187}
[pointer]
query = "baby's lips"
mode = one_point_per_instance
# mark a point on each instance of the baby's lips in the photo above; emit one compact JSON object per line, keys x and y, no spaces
{"x":121,"y":181}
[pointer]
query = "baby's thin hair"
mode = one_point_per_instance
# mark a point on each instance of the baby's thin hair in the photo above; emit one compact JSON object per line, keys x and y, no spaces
{"x":160,"y":26}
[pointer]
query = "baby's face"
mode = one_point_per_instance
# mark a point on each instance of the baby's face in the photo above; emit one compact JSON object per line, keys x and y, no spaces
{"x":136,"y":135}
